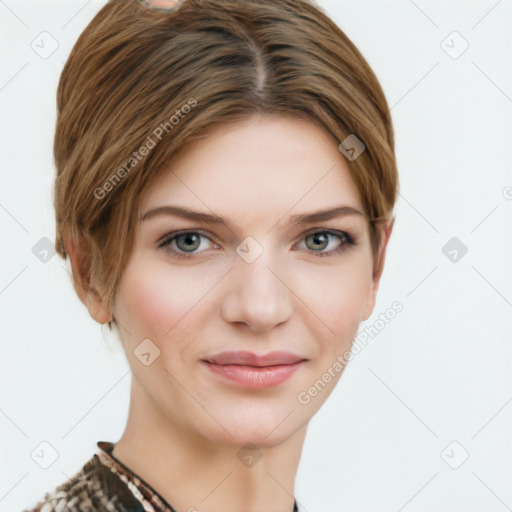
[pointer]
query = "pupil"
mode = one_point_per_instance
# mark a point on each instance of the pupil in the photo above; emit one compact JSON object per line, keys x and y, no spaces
{"x":319,"y":238}
{"x":189,"y":238}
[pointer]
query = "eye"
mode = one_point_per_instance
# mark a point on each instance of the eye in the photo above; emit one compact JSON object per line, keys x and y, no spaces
{"x":186,"y":243}
{"x":183,"y":243}
{"x":324,"y":239}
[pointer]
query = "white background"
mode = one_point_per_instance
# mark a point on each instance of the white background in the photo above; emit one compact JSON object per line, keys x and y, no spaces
{"x":439,"y":372}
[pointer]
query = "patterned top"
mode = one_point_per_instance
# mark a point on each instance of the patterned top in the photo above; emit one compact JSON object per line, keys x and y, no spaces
{"x":105,"y":484}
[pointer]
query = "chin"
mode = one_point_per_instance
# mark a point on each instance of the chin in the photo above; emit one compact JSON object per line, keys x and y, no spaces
{"x":261,"y":431}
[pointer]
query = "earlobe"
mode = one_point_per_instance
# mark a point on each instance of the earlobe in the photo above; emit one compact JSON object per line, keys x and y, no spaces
{"x":370,"y":302}
{"x":378,"y":268}
{"x":83,"y":286}
{"x":96,"y":309}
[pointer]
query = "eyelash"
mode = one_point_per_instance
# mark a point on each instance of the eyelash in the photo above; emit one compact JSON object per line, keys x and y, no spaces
{"x":347,"y":241}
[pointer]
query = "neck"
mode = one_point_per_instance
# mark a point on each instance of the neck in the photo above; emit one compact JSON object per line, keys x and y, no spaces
{"x":194,"y":473}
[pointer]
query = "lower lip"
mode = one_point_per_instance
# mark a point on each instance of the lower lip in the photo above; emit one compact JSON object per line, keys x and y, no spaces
{"x":255,"y":377}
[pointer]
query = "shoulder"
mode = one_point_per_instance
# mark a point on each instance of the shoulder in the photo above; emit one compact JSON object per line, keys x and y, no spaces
{"x":93,"y":489}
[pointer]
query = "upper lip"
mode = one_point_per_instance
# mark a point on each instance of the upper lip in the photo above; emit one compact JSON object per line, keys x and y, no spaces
{"x":243,"y":357}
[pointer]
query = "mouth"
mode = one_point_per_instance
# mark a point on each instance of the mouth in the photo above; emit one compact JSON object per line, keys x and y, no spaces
{"x":255,"y":371}
{"x":245,"y":358}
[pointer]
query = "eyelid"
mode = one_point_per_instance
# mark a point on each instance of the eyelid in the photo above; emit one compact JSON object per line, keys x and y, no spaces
{"x":174,"y":234}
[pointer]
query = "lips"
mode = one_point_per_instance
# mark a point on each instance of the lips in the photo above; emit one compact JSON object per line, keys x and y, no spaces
{"x":255,"y":371}
{"x":245,"y":358}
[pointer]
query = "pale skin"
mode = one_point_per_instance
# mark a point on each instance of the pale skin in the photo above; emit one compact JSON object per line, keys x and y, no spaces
{"x":185,"y":425}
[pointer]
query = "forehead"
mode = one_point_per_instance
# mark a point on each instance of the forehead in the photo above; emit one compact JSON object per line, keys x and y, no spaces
{"x":270,"y":162}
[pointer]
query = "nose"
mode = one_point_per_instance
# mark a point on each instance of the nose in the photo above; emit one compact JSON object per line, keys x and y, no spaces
{"x":257,"y":294}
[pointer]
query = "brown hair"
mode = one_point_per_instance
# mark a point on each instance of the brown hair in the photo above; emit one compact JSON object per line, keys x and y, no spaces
{"x":137,"y":76}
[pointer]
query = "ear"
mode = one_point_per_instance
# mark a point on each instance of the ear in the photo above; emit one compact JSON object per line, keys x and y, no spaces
{"x":85,"y":289}
{"x":383,"y":237}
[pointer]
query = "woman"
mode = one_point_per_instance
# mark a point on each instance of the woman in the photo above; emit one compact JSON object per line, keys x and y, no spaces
{"x":225,"y":188}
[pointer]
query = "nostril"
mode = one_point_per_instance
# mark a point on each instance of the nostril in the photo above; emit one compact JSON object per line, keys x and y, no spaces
{"x":166,"y":6}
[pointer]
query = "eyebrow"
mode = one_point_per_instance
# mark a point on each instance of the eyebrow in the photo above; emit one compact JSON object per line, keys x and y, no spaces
{"x":208,"y":218}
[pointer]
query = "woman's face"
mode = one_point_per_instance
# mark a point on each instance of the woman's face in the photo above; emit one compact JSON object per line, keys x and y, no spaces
{"x":258,"y":281}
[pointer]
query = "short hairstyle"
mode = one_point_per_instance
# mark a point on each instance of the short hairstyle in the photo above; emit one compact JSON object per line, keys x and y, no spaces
{"x":137,"y":76}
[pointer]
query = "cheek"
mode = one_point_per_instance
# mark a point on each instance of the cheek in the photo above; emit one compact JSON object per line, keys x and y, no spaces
{"x":339,"y":299}
{"x":152,"y":300}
